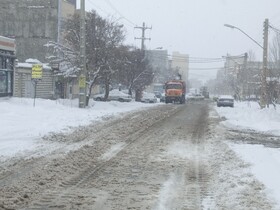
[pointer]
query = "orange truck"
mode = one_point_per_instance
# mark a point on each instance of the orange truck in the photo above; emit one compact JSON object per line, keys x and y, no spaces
{"x":175,"y":91}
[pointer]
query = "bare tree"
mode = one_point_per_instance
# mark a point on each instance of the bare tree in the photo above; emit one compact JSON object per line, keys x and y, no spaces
{"x":107,"y":57}
{"x":136,"y":73}
{"x":103,"y":38}
{"x":274,"y":70}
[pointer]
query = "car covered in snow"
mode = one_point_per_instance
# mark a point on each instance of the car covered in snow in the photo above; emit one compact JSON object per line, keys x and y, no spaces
{"x":148,"y":98}
{"x":194,"y":97}
{"x":225,"y":100}
{"x":114,"y":95}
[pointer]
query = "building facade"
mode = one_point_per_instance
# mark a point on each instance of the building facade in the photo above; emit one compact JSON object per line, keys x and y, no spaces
{"x":180,"y":64}
{"x":24,"y":85}
{"x":32,"y":23}
{"x":7,"y":60}
{"x":158,"y":59}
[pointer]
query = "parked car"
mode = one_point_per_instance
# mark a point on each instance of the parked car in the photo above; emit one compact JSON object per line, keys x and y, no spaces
{"x":225,"y":100}
{"x":160,"y":96}
{"x":148,"y":98}
{"x":114,"y":95}
{"x":194,"y":97}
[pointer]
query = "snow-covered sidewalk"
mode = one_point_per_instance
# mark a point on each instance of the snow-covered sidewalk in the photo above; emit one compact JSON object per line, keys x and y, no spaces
{"x":265,"y":162}
{"x":22,"y":125}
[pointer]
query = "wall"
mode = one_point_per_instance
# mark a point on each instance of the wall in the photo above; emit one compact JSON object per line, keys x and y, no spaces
{"x":159,"y":61}
{"x":23,"y":86}
{"x":32,"y":23}
{"x":180,"y":62}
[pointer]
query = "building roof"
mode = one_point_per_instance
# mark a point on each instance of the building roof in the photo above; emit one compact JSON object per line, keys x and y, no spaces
{"x":29,"y":63}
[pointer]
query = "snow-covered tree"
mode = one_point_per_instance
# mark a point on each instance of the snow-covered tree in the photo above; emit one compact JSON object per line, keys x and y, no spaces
{"x":107,"y":58}
{"x":103,"y":38}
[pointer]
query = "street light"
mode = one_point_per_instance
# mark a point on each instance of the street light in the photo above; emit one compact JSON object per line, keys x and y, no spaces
{"x":234,"y":27}
{"x":263,"y":100}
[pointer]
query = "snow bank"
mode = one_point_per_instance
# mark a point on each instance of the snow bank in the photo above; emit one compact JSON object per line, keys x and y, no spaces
{"x":248,"y":115}
{"x":22,"y":125}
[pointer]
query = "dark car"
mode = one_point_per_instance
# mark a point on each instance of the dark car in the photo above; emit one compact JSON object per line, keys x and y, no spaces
{"x":225,"y":101}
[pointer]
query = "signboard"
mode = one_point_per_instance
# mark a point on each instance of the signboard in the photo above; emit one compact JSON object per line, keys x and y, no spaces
{"x":82,"y":81}
{"x":37,"y":71}
{"x":7,"y":44}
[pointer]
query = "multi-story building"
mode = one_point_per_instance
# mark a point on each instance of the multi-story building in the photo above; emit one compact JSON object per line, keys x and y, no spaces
{"x":180,"y":64}
{"x":158,"y":59}
{"x":32,"y":23}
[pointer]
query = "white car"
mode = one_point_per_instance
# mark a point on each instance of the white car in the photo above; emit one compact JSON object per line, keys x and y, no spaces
{"x":148,"y":98}
{"x":114,"y":95}
{"x":194,"y":97}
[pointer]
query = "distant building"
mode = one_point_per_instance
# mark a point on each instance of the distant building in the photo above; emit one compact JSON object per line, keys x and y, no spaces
{"x":158,"y":59}
{"x":32,"y":23}
{"x":180,"y":64}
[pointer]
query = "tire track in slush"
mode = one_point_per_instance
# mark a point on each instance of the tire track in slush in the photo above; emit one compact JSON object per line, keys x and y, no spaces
{"x":71,"y":192}
{"x":187,"y":188}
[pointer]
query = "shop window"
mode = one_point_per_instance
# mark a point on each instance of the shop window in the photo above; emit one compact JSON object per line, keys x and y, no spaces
{"x":9,"y":63}
{"x":9,"y":82}
{"x":3,"y":82}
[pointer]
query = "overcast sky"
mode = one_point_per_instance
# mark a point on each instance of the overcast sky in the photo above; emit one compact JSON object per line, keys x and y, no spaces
{"x":194,"y":27}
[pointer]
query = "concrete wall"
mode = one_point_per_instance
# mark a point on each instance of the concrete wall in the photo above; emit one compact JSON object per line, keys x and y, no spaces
{"x":23,"y":86}
{"x":67,"y":9}
{"x":180,"y":63}
{"x":159,"y":61}
{"x":32,"y":23}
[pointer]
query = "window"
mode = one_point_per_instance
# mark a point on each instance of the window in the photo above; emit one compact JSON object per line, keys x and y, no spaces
{"x":173,"y":86}
{"x":3,"y":82}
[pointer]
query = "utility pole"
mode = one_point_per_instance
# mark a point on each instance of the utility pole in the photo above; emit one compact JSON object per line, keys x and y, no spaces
{"x":264,"y":96}
{"x":82,"y":77}
{"x":245,"y":77}
{"x":143,"y":38}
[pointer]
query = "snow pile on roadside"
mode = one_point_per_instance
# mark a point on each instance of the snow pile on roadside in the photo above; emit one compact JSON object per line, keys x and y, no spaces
{"x":264,"y":162}
{"x":265,"y":166}
{"x":22,"y":125}
{"x":236,"y":187}
{"x":248,"y":115}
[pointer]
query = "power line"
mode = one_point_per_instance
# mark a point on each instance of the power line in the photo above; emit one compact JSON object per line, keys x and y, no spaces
{"x":188,"y":59}
{"x":274,"y":29}
{"x":108,"y":13}
{"x":205,"y":69}
{"x":143,"y":38}
{"x":121,"y":15}
{"x":96,"y":6}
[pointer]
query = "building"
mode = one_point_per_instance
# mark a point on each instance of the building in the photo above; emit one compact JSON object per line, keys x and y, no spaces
{"x":7,"y":60}
{"x":24,"y":85}
{"x":32,"y":23}
{"x":158,"y":59}
{"x":180,"y":64}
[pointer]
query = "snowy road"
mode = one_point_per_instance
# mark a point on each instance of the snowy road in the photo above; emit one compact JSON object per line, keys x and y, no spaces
{"x":165,"y":157}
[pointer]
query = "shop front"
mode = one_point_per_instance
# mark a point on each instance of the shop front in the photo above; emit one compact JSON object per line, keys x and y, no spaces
{"x":7,"y":60}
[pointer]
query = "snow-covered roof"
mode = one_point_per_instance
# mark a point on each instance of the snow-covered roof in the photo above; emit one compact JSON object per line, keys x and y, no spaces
{"x":226,"y":97}
{"x":30,"y":61}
